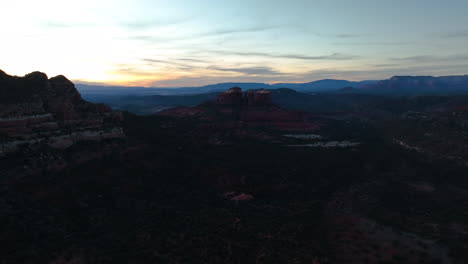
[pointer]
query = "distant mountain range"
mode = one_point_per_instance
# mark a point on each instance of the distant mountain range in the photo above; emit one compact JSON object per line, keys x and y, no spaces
{"x":322,"y":85}
{"x":418,"y":85}
{"x":316,"y":86}
{"x":318,"y":96}
{"x":397,"y":85}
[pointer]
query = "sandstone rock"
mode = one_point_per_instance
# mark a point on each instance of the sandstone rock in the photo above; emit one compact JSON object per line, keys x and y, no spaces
{"x":235,"y":96}
{"x":263,"y":97}
{"x":236,"y":111}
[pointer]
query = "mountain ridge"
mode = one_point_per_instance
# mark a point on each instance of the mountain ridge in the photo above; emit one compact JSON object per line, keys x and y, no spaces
{"x":411,"y":85}
{"x":314,"y":86}
{"x":399,"y":84}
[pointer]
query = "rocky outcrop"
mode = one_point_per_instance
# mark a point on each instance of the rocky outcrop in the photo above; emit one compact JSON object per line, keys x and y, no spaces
{"x":245,"y":112}
{"x":235,"y":96}
{"x":44,"y":122}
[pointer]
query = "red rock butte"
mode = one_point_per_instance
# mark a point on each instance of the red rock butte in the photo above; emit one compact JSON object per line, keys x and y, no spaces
{"x":235,"y":96}
{"x":235,"y":109}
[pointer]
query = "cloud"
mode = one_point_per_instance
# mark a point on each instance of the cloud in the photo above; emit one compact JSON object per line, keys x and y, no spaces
{"x":194,"y":64}
{"x":456,"y":34}
{"x":152,"y":23}
{"x":207,"y":34}
{"x":334,"y":56}
{"x":331,"y":73}
{"x":255,"y":71}
{"x":346,"y":36}
{"x":178,"y":65}
{"x":370,"y":43}
{"x":433,"y":59}
{"x":235,"y":31}
{"x":52,"y":24}
{"x":188,"y":71}
{"x":56,"y":24}
{"x":338,"y":35}
{"x":133,"y":71}
{"x":192,"y":60}
{"x":384,"y":65}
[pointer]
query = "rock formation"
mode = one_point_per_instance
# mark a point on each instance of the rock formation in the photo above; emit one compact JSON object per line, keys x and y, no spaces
{"x":235,"y":96}
{"x":47,"y":125}
{"x":236,"y":110}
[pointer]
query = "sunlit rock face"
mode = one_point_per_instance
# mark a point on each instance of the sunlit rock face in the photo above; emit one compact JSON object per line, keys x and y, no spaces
{"x":46,"y":125}
{"x":263,"y":97}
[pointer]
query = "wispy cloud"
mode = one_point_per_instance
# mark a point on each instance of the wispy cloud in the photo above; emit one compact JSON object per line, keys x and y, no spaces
{"x":53,"y":24}
{"x":331,"y":73}
{"x":456,"y":34}
{"x":181,"y":64}
{"x":153,"y":23}
{"x":338,"y":35}
{"x":345,"y":36}
{"x":133,"y":71}
{"x":192,"y":60}
{"x":385,"y":65}
{"x":195,"y":64}
{"x":426,"y":58}
{"x":236,"y":31}
{"x":264,"y":71}
{"x":334,"y":56}
{"x":370,"y":43}
{"x":207,"y":34}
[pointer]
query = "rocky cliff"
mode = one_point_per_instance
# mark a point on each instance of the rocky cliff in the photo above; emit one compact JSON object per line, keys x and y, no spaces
{"x":45,"y":125}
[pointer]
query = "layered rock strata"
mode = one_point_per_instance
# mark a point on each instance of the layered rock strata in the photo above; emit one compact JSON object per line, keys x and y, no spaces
{"x":46,"y":125}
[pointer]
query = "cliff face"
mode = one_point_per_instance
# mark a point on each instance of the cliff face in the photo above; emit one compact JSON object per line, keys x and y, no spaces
{"x":46,"y":125}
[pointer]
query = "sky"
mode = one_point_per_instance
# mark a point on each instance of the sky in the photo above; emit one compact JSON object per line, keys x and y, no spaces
{"x":175,"y":43}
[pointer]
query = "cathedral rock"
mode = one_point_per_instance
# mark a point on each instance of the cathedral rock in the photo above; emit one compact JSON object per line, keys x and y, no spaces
{"x":235,"y":96}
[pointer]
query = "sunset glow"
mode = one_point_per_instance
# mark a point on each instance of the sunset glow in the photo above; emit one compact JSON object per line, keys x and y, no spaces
{"x":188,"y":43}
